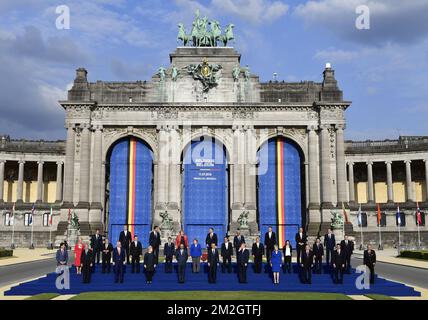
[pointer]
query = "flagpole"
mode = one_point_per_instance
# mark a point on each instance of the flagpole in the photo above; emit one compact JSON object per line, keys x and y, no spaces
{"x":399,"y":238}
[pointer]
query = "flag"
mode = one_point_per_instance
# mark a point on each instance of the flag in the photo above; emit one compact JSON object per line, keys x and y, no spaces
{"x":345,"y":216}
{"x":360,"y":217}
{"x":50,"y":217}
{"x":30,"y":218}
{"x":69,"y":215}
{"x":12,"y":215}
{"x":418,"y":215}
{"x":379,"y":215}
{"x":398,"y":215}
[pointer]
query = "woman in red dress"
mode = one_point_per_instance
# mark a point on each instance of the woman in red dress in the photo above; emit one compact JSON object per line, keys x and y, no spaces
{"x":78,"y":248}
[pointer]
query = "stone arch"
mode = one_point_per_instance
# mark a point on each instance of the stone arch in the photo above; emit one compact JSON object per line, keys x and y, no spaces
{"x":216,"y":137}
{"x":298,"y":142}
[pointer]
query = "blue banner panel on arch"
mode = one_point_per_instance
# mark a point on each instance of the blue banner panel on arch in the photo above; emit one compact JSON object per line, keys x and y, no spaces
{"x":143,"y":192}
{"x":205,"y":188}
{"x":268,"y":191}
{"x":118,"y":189}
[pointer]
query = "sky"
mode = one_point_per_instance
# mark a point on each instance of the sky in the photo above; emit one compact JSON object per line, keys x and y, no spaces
{"x":383,"y":70}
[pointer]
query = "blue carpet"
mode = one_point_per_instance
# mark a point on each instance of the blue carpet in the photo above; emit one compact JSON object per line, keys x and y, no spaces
{"x":225,"y":282}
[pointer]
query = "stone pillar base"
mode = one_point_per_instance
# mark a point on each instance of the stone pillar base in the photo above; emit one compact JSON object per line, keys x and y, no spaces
{"x":95,"y":217}
{"x":83,"y":214}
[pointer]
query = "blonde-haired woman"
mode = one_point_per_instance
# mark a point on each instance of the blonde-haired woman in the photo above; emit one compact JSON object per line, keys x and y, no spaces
{"x":78,"y":248}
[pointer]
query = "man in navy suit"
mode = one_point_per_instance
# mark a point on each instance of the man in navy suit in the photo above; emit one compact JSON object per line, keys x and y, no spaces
{"x":329,"y":245}
{"x":125,"y":239}
{"x":238,"y":240}
{"x":136,"y":250}
{"x":226,"y":253}
{"x":181,"y":256}
{"x":155,"y":242}
{"x":168,"y":251}
{"x":213,"y":260}
{"x":211,"y":238}
{"x":242,"y":259}
{"x":119,"y":257}
{"x":96,"y":245}
{"x":339,"y":261}
{"x":270,"y":242}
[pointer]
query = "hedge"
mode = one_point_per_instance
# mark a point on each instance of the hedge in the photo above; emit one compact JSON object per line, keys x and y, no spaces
{"x":5,"y":253}
{"x":414,"y":254}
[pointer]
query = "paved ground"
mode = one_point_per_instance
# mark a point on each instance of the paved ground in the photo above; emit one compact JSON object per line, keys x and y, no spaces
{"x":21,"y":255}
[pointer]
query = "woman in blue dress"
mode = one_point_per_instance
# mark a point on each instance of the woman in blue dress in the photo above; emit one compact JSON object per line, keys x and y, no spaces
{"x":275,"y":263}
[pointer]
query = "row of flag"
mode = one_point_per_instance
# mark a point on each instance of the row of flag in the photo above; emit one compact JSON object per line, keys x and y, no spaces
{"x":30,"y":218}
{"x":379,"y":215}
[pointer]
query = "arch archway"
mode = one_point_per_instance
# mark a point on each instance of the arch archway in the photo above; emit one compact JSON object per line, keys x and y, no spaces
{"x":129,"y":187}
{"x":281,"y":188}
{"x":205,"y":183}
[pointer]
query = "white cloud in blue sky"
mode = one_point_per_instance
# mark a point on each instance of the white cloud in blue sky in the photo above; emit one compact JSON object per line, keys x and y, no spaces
{"x":382,"y":70}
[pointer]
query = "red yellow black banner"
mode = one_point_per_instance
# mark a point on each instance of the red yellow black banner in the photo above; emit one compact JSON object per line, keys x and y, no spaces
{"x":131,"y":185}
{"x":280,"y":190}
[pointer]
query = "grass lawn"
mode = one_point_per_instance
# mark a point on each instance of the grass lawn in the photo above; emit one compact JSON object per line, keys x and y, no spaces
{"x":207,"y":295}
{"x":43,"y":296}
{"x":379,"y":297}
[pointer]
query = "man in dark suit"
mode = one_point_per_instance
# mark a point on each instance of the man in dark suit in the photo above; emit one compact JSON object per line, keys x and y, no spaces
{"x":155,"y":242}
{"x":181,"y":256}
{"x":329,"y":244}
{"x":213,"y":260}
{"x":86,"y":260}
{"x":125,"y":239}
{"x":136,"y":250}
{"x":96,"y":245}
{"x":168,"y":251}
{"x":242,"y":260}
{"x":318,"y":251}
{"x":270,"y":242}
{"x":258,"y":251}
{"x":226,"y":254}
{"x":347,"y":246}
{"x":119,"y":260}
{"x":106,"y":256}
{"x":339,"y":260}
{"x":370,"y":262}
{"x":238,"y":240}
{"x":307,"y":263}
{"x":211,"y":238}
{"x":301,"y":240}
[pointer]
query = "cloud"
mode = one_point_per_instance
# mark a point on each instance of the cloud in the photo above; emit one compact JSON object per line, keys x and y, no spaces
{"x":390,"y":20}
{"x":254,"y":11}
{"x":128,"y":72}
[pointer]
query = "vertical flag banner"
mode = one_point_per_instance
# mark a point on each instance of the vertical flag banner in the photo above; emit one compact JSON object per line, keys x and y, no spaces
{"x":360,"y":217}
{"x":398,"y":216}
{"x":50,"y":217}
{"x":69,"y":216}
{"x":280,"y":191}
{"x":345,"y":216}
{"x":30,"y":219}
{"x":418,"y":215}
{"x":12,"y":216}
{"x":131,"y":185}
{"x":379,"y":214}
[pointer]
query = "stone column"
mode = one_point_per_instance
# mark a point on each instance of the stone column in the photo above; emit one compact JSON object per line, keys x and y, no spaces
{"x":174,"y":169}
{"x":39,"y":198}
{"x":58,"y":182}
{"x":97,"y":168}
{"x":409,"y":186}
{"x":69,"y":167}
{"x":314,"y":187}
{"x":238,"y":182}
{"x":426,"y":179}
{"x":85,"y":162}
{"x":250,"y":175}
{"x":340,"y":165}
{"x":351,"y":182}
{"x":162,"y":170}
{"x":2,"y":163}
{"x":325,"y":168}
{"x":20,"y":187}
{"x":389,"y":185}
{"x":370,"y":186}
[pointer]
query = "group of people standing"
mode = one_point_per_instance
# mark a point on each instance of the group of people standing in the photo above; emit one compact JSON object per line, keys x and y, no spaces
{"x":129,"y":250}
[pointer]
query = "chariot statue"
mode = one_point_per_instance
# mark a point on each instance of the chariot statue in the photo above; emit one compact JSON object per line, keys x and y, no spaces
{"x":205,"y":33}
